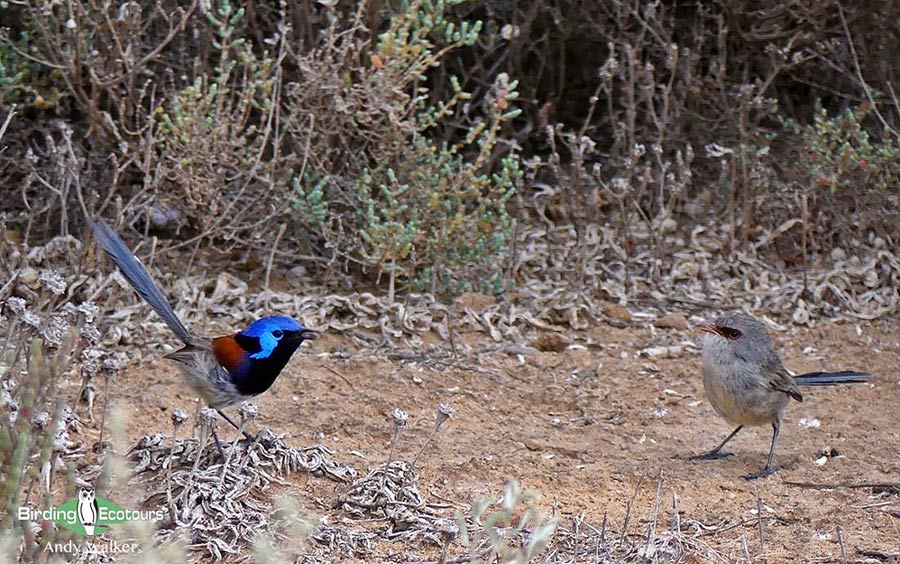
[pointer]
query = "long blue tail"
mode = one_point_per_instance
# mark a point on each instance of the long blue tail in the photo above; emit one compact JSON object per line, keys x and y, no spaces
{"x":139,"y":278}
{"x":831,"y":378}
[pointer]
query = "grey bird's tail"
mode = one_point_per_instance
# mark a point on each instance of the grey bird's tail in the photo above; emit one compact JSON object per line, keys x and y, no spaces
{"x":832,"y":378}
{"x":138,"y":277}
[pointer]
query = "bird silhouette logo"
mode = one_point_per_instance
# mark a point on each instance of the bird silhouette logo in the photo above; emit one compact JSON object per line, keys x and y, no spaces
{"x":87,"y":510}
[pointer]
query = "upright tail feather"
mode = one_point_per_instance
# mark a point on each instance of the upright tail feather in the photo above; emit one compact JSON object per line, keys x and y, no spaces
{"x":831,"y":378}
{"x":139,"y":278}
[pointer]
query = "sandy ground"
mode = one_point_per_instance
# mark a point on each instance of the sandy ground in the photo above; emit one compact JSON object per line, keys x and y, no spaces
{"x":589,"y":441}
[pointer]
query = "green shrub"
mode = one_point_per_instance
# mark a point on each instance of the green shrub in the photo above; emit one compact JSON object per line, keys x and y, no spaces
{"x":348,"y":137}
{"x":213,"y":134}
{"x":846,"y":175}
{"x":842,"y":156}
{"x":432,"y":213}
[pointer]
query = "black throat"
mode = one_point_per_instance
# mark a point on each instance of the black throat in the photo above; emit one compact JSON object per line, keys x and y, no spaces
{"x":260,"y":373}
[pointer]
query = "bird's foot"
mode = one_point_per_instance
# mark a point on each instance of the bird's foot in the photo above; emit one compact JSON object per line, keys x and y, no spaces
{"x":711,"y":455}
{"x":265,"y":442}
{"x":762,"y":473}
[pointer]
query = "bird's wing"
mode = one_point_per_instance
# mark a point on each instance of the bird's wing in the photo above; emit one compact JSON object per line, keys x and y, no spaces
{"x":187,"y":353}
{"x":780,"y":379}
{"x":138,"y":277}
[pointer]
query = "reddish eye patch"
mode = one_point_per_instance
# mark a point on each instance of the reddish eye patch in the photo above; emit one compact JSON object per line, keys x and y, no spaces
{"x":729,"y":333}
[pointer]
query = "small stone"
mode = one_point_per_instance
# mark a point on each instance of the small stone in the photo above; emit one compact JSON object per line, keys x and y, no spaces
{"x":810,"y":422}
{"x":674,"y":320}
{"x":838,"y":254}
{"x":674,"y":351}
{"x":615,"y":311}
{"x":668,"y":225}
{"x":550,"y":342}
{"x":475,"y":302}
{"x":30,"y":277}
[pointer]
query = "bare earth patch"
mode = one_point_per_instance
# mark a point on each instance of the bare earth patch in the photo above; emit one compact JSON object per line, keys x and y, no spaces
{"x":594,"y":428}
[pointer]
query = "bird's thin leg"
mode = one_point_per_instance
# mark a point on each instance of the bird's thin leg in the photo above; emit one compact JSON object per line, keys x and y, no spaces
{"x":267,"y":444}
{"x":769,"y":469}
{"x":717,"y":452}
{"x":218,"y":443}
{"x":233,"y":424}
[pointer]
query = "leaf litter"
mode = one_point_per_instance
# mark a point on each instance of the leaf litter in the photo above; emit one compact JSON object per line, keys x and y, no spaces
{"x":223,"y":502}
{"x":571,"y":282}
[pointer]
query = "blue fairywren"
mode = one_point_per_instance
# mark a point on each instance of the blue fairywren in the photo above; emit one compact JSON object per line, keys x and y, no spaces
{"x":226,"y":370}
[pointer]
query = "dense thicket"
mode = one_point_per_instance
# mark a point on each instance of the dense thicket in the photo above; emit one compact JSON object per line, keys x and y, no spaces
{"x":406,"y":138}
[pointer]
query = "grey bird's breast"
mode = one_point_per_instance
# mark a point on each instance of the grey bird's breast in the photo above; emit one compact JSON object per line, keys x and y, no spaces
{"x":737,"y":389}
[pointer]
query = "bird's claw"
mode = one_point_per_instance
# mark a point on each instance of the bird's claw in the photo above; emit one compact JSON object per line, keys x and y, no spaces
{"x":762,"y":473}
{"x":265,"y":442}
{"x":219,"y":444}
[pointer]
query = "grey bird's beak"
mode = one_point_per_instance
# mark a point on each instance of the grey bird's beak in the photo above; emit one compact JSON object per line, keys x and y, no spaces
{"x":308,"y":334}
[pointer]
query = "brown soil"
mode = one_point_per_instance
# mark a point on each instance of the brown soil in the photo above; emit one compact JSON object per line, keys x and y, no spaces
{"x":592,"y":442}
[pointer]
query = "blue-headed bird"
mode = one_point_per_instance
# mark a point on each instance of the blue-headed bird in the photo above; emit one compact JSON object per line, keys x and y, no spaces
{"x":225,"y":370}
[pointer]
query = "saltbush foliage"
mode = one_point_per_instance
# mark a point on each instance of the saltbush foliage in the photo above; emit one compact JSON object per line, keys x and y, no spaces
{"x":843,"y":156}
{"x":213,"y":131}
{"x":430,"y":212}
{"x":334,"y":126}
{"x":850,"y":179}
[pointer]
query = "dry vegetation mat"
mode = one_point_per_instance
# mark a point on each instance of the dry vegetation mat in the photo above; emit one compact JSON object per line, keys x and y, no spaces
{"x":222,"y":503}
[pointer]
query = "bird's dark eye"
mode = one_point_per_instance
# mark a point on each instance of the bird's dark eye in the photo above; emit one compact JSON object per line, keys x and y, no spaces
{"x":730,"y":334}
{"x":278,"y":333}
